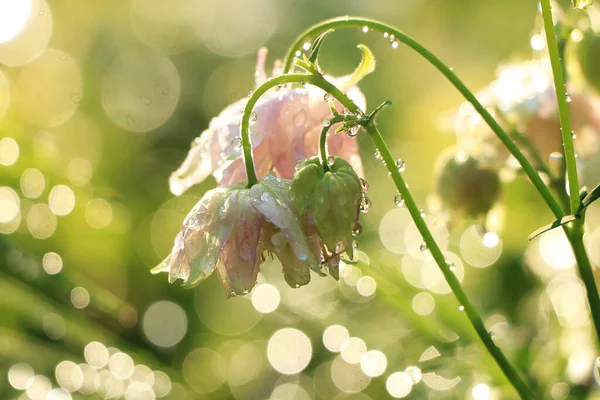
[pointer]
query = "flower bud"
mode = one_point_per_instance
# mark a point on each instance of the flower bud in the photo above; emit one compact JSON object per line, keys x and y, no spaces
{"x":466,"y":186}
{"x":331,"y":199}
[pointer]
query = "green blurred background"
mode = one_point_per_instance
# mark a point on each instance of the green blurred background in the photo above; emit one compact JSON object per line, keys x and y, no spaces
{"x":99,"y":102}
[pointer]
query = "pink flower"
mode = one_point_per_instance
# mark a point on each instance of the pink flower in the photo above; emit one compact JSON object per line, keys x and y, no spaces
{"x":289,"y":121}
{"x":230,"y":230}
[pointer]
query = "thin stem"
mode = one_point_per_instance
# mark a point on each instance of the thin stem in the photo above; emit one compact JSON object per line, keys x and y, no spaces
{"x":347,"y":22}
{"x":437,"y":254}
{"x":563,"y":105}
{"x":323,"y":154}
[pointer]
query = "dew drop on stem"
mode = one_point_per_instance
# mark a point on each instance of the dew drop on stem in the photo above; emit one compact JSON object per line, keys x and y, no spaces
{"x":253,"y":117}
{"x":357,"y":230}
{"x":377,"y":155}
{"x":365,"y":29}
{"x":399,"y":200}
{"x":330,"y":161}
{"x":353,"y":131}
{"x":423,"y":247}
{"x":326,"y":122}
{"x":365,"y":185}
{"x":365,"y":205}
{"x":236,"y":143}
{"x":401,"y":165}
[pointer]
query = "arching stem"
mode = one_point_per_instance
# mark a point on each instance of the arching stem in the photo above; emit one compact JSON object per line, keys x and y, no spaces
{"x":363,"y":23}
{"x":323,"y":154}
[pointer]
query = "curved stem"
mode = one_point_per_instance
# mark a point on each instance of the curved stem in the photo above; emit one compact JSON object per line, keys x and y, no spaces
{"x":437,"y":254}
{"x":346,"y":22}
{"x":563,"y":106}
{"x":323,"y":155}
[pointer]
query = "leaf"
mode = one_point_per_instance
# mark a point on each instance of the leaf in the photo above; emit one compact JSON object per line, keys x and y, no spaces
{"x":366,"y":66}
{"x":315,"y":48}
{"x":590,"y":198}
{"x":559,"y":222}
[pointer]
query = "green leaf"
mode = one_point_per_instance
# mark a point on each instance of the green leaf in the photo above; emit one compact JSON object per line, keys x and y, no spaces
{"x":366,"y":66}
{"x":315,"y":47}
{"x":590,"y":198}
{"x":559,"y":222}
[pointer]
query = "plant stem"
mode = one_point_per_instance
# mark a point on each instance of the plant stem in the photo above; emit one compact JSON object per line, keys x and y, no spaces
{"x":563,"y":106}
{"x":323,"y":155}
{"x":347,"y":22}
{"x":437,"y":254}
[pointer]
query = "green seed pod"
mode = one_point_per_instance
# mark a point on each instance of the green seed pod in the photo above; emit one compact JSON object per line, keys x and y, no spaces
{"x":331,"y":199}
{"x":467,"y":186}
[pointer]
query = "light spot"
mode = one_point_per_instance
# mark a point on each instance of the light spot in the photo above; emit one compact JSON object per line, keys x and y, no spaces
{"x":398,"y":385}
{"x":4,"y":105}
{"x":98,"y":213}
{"x":69,"y":375}
{"x":19,"y":374}
{"x":348,"y":377}
{"x":54,"y":326}
{"x":9,"y":204}
{"x":9,"y":148}
{"x":46,"y":88}
{"x":79,"y":171}
{"x":41,"y":221}
{"x":13,"y":17}
{"x":165,"y":323}
{"x":474,"y":249}
{"x":121,"y":365}
{"x":265,"y":298}
{"x":481,"y":391}
{"x":96,"y":354}
{"x":162,"y":384}
{"x":423,"y":303}
{"x":32,"y":38}
{"x":353,"y":349}
{"x":139,"y":391}
{"x":373,"y":363}
{"x":38,"y":387}
{"x":204,"y":370}
{"x":366,"y":286}
{"x":289,"y":351}
{"x":61,"y":200}
{"x":58,"y":394}
{"x":334,"y":337}
{"x":434,"y":279}
{"x":555,"y":249}
{"x":140,"y":91}
{"x":32,"y":183}
{"x":80,"y":297}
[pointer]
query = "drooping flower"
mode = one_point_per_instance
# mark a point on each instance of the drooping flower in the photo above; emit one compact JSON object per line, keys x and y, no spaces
{"x":330,"y":200}
{"x":230,"y":230}
{"x":286,"y":127}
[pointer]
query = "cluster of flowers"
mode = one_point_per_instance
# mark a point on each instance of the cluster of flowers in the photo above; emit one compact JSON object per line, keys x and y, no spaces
{"x":289,"y":212}
{"x":522,"y":99}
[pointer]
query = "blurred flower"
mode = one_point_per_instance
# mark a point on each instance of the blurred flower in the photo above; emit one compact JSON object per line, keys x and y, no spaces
{"x":465,"y":186}
{"x":286,"y":127}
{"x":523,"y":94}
{"x":330,"y":202}
{"x":230,"y":229}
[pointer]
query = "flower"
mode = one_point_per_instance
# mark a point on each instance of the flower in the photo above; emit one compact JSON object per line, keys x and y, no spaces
{"x":286,"y":131}
{"x":330,"y":199}
{"x":231,"y":229}
{"x":523,"y":94}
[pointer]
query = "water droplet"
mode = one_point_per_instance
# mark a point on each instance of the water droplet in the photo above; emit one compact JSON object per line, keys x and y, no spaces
{"x":365,"y":205}
{"x":236,"y":142}
{"x":245,"y":291}
{"x":573,"y":135}
{"x":306,"y":46}
{"x":392,"y":37}
{"x":298,"y":53}
{"x":353,"y":131}
{"x":326,"y":122}
{"x":357,"y":230}
{"x":365,"y":29}
{"x":414,"y":373}
{"x":422,"y":212}
{"x":250,"y":93}
{"x":385,"y":35}
{"x":354,"y":244}
{"x":399,"y":200}
{"x":377,"y":155}
{"x":233,"y":294}
{"x":364,"y":184}
{"x":326,"y":97}
{"x":394,"y":44}
{"x":582,"y":4}
{"x":253,"y":117}
{"x":401,"y":165}
{"x":330,"y":161}
{"x":461,"y":308}
{"x":423,"y":247}
{"x":568,"y":98}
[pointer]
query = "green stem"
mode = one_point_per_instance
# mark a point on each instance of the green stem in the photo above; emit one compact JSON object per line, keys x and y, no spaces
{"x":323,"y":154}
{"x":347,"y":22}
{"x":575,"y":235}
{"x":437,"y":254}
{"x":563,"y":105}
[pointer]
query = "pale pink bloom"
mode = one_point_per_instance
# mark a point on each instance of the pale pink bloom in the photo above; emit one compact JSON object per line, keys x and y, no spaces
{"x":287,"y":131}
{"x":230,"y":230}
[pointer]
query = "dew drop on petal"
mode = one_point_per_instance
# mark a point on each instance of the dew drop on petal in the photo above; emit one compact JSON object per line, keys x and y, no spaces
{"x":236,"y":143}
{"x":330,"y":161}
{"x":365,"y":205}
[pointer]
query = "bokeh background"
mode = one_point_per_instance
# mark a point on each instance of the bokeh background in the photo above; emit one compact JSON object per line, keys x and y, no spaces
{"x":99,"y":102}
